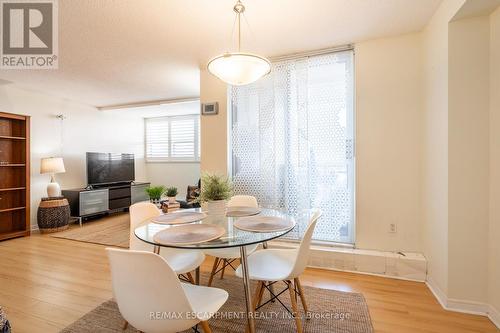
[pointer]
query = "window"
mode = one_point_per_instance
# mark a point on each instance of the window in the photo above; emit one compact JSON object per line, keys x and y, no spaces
{"x":173,"y":139}
{"x":293,"y":138}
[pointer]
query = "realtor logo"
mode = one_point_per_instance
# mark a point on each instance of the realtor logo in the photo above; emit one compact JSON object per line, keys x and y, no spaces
{"x":29,"y":34}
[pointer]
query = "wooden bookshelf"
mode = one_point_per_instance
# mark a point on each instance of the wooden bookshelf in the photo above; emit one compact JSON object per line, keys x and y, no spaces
{"x":11,"y":209}
{"x":12,"y":189}
{"x":12,"y":137}
{"x":14,"y":175}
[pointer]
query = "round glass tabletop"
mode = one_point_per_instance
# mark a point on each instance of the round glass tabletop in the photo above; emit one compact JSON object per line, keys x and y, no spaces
{"x":233,"y":237}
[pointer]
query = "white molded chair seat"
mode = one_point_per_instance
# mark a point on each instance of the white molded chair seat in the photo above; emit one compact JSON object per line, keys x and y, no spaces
{"x":281,"y":264}
{"x":204,"y":300}
{"x":144,"y":283}
{"x":270,"y":265}
{"x":243,"y":201}
{"x":181,"y":261}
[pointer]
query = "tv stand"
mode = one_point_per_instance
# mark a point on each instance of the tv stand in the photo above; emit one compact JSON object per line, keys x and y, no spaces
{"x":104,"y":199}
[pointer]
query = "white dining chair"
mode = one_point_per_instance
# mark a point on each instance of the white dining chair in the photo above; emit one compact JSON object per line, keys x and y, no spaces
{"x":145,"y":287}
{"x":226,"y":257}
{"x":269,"y":266}
{"x":243,"y":201}
{"x":183,"y":262}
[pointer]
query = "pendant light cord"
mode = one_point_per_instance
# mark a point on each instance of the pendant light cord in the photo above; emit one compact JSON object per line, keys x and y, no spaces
{"x":239,"y":32}
{"x":239,"y":9}
{"x":231,"y":36}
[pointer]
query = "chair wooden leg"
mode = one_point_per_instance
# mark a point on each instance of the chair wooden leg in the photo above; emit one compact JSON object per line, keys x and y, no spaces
{"x":206,"y":328}
{"x":261,"y":293}
{"x":214,"y":268}
{"x":295,"y":309}
{"x":190,"y":277}
{"x":223,"y":268}
{"x":256,"y":296}
{"x":125,"y":325}
{"x":301,"y":294}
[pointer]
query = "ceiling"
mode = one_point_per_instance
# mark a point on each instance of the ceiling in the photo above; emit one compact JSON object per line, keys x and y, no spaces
{"x":123,"y":51}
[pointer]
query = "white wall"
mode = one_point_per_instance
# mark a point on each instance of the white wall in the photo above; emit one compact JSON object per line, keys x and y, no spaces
{"x":468,"y":157}
{"x":179,"y":175}
{"x":494,"y":225}
{"x":388,"y":142}
{"x":460,"y":156}
{"x":85,"y":129}
{"x":214,"y":142}
{"x":435,"y":145}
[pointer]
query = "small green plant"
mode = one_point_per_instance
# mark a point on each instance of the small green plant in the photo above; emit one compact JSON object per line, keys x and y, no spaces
{"x":214,"y":187}
{"x":171,"y":191}
{"x":155,"y":192}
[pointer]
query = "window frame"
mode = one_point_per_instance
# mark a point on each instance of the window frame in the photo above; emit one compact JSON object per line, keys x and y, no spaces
{"x":169,"y":119}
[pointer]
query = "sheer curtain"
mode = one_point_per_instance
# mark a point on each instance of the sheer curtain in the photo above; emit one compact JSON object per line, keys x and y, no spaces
{"x":292,"y":141}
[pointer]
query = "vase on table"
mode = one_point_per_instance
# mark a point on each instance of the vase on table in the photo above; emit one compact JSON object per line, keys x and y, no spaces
{"x":216,"y":207}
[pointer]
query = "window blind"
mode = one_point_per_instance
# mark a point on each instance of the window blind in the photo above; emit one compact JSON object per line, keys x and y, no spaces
{"x":173,"y":139}
{"x":293,"y":141}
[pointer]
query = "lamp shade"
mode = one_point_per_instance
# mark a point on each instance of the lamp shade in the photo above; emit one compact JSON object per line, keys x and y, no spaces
{"x":52,"y":165}
{"x":239,"y":68}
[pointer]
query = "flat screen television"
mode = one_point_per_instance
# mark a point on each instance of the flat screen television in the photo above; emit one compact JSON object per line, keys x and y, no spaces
{"x":109,"y":168}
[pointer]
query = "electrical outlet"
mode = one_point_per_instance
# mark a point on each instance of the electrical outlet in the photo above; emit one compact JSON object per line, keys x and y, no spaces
{"x":393,"y":228}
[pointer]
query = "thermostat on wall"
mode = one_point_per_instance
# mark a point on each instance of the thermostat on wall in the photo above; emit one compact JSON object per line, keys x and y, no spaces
{"x":210,"y":108}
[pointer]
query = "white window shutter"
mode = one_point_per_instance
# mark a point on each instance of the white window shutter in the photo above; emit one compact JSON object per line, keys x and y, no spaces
{"x":171,"y":139}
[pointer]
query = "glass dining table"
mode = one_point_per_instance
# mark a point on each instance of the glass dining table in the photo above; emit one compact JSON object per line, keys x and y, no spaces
{"x":233,"y":237}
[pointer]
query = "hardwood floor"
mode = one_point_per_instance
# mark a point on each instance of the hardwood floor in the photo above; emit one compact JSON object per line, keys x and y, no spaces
{"x":47,"y":283}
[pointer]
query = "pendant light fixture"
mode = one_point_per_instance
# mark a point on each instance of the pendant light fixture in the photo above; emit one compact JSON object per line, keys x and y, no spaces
{"x":239,"y":68}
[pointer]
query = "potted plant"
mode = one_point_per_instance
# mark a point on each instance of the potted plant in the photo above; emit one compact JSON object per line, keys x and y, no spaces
{"x":215,"y":190}
{"x":171,"y":192}
{"x":155,"y":193}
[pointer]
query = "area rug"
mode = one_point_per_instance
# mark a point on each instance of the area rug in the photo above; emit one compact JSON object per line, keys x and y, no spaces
{"x":112,"y":231}
{"x":331,"y":311}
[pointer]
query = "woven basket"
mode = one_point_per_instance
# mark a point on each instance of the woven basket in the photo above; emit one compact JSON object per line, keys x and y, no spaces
{"x":53,"y":215}
{"x":4,"y":323}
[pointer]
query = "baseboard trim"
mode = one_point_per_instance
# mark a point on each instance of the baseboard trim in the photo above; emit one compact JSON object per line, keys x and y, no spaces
{"x":437,"y":292}
{"x":494,"y":316}
{"x":457,"y":305}
{"x":470,"y":307}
